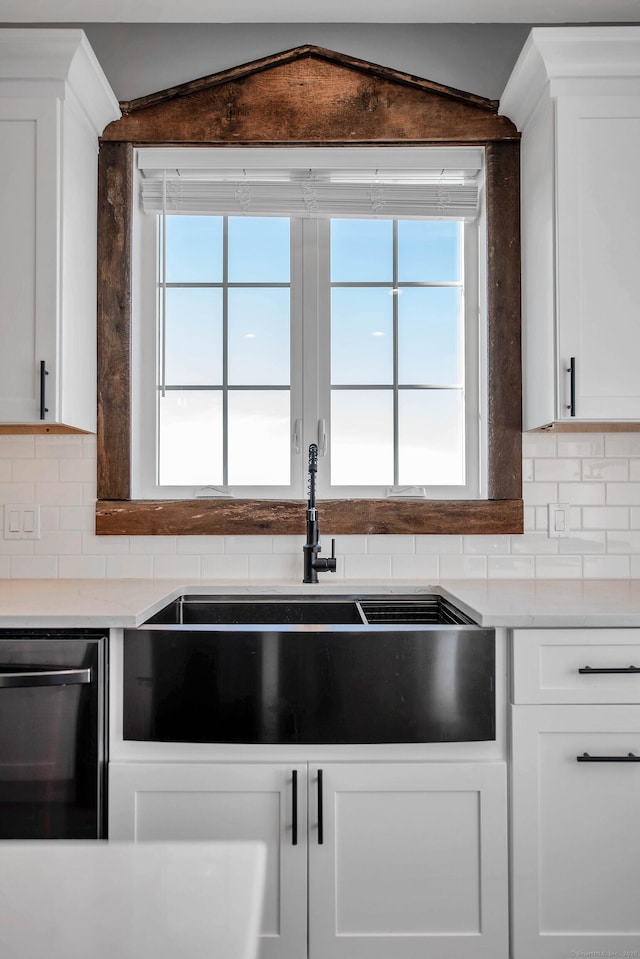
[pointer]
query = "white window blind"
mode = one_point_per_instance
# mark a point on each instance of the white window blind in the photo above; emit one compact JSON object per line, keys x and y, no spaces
{"x":412,"y":183}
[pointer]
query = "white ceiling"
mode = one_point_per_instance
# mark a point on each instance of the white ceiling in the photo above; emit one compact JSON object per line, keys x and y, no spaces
{"x":329,"y":11}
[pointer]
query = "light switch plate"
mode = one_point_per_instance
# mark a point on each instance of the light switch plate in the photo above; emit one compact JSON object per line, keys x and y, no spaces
{"x":21,"y":521}
{"x":559,"y":525}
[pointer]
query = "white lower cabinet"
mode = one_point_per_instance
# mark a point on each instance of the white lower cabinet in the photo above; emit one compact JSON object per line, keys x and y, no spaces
{"x":576,"y":841}
{"x":392,"y":860}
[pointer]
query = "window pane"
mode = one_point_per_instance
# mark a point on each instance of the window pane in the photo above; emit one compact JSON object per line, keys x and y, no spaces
{"x":361,"y":251}
{"x":429,"y":251}
{"x":194,"y":249}
{"x":260,"y":438}
{"x":259,"y":336}
{"x":361,"y":437}
{"x":259,"y":249}
{"x":430,"y":335}
{"x":193,"y":343}
{"x":361,"y":336}
{"x":431,"y":437}
{"x":190,"y":438}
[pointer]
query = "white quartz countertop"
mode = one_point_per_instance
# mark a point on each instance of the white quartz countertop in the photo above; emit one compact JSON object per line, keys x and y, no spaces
{"x":56,"y":603}
{"x":71,"y":900}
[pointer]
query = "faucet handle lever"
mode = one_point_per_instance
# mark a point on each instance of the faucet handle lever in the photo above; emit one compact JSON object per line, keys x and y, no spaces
{"x":333,"y":547}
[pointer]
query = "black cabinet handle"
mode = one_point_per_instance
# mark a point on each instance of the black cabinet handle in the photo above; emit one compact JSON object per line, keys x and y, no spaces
{"x":585,"y":670}
{"x":294,"y":807}
{"x":320,"y":810}
{"x":571,"y":370}
{"x":629,"y":758}
{"x":43,"y":374}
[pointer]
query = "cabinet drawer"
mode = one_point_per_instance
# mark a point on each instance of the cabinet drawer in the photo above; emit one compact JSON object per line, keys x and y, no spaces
{"x":576,"y":666}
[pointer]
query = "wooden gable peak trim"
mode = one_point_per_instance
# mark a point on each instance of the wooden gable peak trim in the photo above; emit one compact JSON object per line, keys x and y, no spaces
{"x":306,"y":51}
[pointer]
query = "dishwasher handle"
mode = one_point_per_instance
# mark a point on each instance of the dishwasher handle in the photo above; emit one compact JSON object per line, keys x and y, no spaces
{"x":24,"y":676}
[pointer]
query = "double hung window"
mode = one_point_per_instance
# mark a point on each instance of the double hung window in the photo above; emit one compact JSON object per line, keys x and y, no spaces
{"x":285,"y":297}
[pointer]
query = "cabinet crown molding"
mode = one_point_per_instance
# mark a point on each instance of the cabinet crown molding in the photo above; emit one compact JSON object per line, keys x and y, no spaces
{"x":45,"y":62}
{"x":568,"y":60}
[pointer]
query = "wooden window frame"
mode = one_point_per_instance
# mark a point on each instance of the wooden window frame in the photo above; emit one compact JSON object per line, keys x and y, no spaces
{"x":265,"y":103}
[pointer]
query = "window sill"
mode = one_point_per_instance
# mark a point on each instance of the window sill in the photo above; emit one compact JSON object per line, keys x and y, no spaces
{"x":281,"y":518}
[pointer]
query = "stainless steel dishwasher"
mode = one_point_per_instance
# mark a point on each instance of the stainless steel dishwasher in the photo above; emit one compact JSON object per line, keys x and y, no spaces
{"x":52,"y":734}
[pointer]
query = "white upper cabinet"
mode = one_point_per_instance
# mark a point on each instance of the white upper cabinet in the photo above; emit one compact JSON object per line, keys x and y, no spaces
{"x":575,"y":95}
{"x":54,"y":103}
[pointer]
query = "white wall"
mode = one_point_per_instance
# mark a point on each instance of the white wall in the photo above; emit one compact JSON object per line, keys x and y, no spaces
{"x":597,"y":474}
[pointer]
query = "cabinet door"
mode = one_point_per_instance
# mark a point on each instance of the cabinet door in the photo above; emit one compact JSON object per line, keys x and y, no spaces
{"x":28,"y":258}
{"x":598,"y":249}
{"x":408,"y":860}
{"x":576,"y":843}
{"x":158,"y":801}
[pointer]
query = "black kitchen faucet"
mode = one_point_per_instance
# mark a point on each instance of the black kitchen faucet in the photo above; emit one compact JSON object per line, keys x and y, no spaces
{"x":314,"y":564}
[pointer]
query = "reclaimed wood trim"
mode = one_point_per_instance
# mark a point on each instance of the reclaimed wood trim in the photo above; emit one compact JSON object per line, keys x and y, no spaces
{"x":115,"y":198}
{"x":267,"y":102}
{"x":504,"y":414}
{"x":305,"y":51}
{"x":20,"y":429}
{"x":287,"y":517}
{"x":385,"y":116}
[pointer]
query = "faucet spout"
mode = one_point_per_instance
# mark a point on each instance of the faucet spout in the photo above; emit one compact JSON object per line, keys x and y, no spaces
{"x":313,"y":563}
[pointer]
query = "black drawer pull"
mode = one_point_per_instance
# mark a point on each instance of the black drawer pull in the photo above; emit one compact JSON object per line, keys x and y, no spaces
{"x":43,"y":373}
{"x":320,"y":810}
{"x":585,"y":670}
{"x":629,"y":758}
{"x":294,"y":807}
{"x":571,"y":370}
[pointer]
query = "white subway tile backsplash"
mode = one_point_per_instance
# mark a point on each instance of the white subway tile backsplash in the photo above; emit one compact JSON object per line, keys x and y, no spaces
{"x":278,"y":566}
{"x":627,"y":494}
{"x":77,"y":471}
{"x":367,"y":567}
{"x":581,"y":444}
{"x":194,"y":545}
{"x":59,"y":494}
{"x":605,"y":567}
{"x":605,"y":517}
{"x":391,"y":544}
{"x":582,"y":494}
{"x":16,"y":447}
{"x":583,"y":541}
{"x":76,"y":517}
{"x":533,"y":543}
{"x":463,"y":567}
{"x":248,"y":545}
{"x":605,"y":470}
{"x":558,"y":567}
{"x":439,"y":545}
{"x":510,"y":567}
{"x":622,"y":444}
{"x":486,"y":545}
{"x":59,"y":543}
{"x":539,"y":494}
{"x":176,"y":567}
{"x":423,"y":567}
{"x":225,"y":566}
{"x":555,"y":470}
{"x":597,"y":474}
{"x":539,"y":444}
{"x":82,"y":567}
{"x":33,"y":567}
{"x":129,"y":567}
{"x":62,"y":447}
{"x":35,"y":471}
